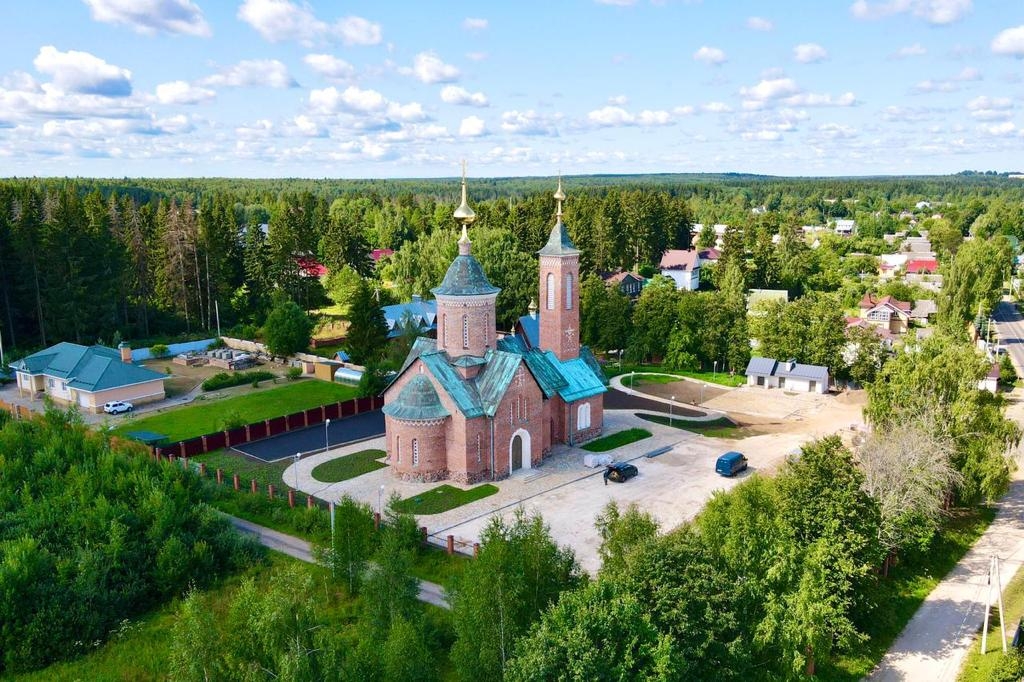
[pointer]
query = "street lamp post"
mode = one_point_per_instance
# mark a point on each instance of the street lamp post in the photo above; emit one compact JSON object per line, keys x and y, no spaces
{"x":670,"y":410}
{"x":632,"y":380}
{"x":380,"y":494}
{"x":297,"y":457}
{"x":327,"y":438}
{"x":714,"y":371}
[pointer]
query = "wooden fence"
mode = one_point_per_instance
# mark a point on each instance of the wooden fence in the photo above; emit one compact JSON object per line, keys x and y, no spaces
{"x":18,"y":411}
{"x":267,"y":428}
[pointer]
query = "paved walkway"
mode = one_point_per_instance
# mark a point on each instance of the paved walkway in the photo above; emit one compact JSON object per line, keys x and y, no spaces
{"x":935,"y":642}
{"x":431,"y":593}
{"x":684,"y":410}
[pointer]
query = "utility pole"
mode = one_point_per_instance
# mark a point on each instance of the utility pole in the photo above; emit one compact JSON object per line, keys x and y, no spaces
{"x":993,"y":575}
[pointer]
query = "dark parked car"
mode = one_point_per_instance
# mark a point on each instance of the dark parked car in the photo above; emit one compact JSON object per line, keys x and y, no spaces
{"x":730,"y":464}
{"x":620,"y":472}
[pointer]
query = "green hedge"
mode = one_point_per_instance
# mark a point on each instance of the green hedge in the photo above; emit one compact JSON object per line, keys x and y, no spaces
{"x":226,"y":380}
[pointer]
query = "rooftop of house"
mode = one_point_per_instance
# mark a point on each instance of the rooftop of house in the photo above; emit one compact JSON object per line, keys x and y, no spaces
{"x":871,"y":301}
{"x":85,"y":368}
{"x":679,"y":259}
{"x":617,"y":277}
{"x":788,"y":369}
{"x":310,"y":266}
{"x":377,"y":254}
{"x":422,"y":314}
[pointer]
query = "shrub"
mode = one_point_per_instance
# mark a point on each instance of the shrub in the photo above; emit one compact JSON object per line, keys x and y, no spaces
{"x":294,"y":373}
{"x":159,"y":350}
{"x":216,"y":343}
{"x":232,"y":420}
{"x":227,"y":380}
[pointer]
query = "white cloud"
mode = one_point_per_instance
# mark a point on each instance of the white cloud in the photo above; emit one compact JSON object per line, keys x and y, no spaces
{"x":985,"y":108}
{"x":351,"y":100}
{"x":653,"y":118}
{"x":305,"y":126}
{"x":951,"y":84}
{"x":915,"y":50}
{"x":330,"y":67}
{"x":759,"y":24}
{"x":413,"y":111}
{"x":81,"y":72}
{"x":472,"y":126}
{"x":762,"y":136}
{"x":474,"y":24}
{"x":1004,"y":129}
{"x":429,"y":68}
{"x":709,"y":55}
{"x":1010,"y":42}
{"x":453,"y":94}
{"x":252,"y":73}
{"x":812,"y":99}
{"x":932,"y":11}
{"x":809,"y":53}
{"x":770,"y":89}
{"x":257,"y":130}
{"x":150,"y":16}
{"x":282,"y":20}
{"x":612,"y":116}
{"x":716,"y":108}
{"x":837,"y":131}
{"x":181,"y":92}
{"x":685,"y":110}
{"x":527,"y":123}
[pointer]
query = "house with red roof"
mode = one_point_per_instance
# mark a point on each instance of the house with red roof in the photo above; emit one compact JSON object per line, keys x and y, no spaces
{"x":922,"y":266}
{"x":683,"y":267}
{"x":629,"y":283}
{"x":310,"y":266}
{"x":886,"y":312}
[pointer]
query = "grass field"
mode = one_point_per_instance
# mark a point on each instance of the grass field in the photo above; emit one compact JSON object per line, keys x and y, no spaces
{"x":617,"y":440}
{"x":349,"y":466}
{"x":246,"y":468}
{"x":899,"y":596}
{"x":642,"y":374}
{"x":981,"y":668}
{"x":718,"y":428}
{"x":206,"y":415}
{"x":442,"y":498}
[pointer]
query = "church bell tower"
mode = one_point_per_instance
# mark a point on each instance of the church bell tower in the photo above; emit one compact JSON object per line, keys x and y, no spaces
{"x":559,"y":289}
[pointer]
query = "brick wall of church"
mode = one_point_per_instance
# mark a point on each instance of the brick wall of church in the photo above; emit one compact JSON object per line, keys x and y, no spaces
{"x":428,"y":440}
{"x":479,"y":314}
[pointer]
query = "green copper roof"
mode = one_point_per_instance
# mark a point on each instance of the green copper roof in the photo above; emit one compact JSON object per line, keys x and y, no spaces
{"x":463,"y":392}
{"x":582,"y":382}
{"x":86,"y":368}
{"x":559,"y":243}
{"x":417,"y":401}
{"x":465,"y":277}
{"x":595,"y":367}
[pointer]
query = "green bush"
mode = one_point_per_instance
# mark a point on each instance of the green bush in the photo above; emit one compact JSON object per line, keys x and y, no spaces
{"x":227,"y":380}
{"x":232,"y":420}
{"x":294,"y":373}
{"x":159,"y":350}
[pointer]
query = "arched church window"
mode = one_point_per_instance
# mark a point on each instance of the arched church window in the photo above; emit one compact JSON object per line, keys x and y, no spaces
{"x":583,"y":417}
{"x":551,"y":291}
{"x":568,"y":291}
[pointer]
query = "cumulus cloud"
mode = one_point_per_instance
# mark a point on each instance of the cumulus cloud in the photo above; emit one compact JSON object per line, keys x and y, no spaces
{"x":986,"y":108}
{"x":951,"y":84}
{"x":836,"y":131}
{"x":716,"y":108}
{"x":330,"y":67}
{"x":809,"y":53}
{"x":1004,"y":129}
{"x":474,"y":24}
{"x":1010,"y":42}
{"x":282,"y":20}
{"x":472,"y":126}
{"x":429,"y":68}
{"x":932,"y":11}
{"x":762,"y":136}
{"x":81,"y":72}
{"x":453,"y":94}
{"x":181,"y":92}
{"x":611,"y":116}
{"x":760,"y":24}
{"x":352,"y":99}
{"x":915,"y":50}
{"x":770,"y":89}
{"x":252,"y":73}
{"x":710,"y":55}
{"x":813,"y":99}
{"x":151,"y":16}
{"x":527,"y":123}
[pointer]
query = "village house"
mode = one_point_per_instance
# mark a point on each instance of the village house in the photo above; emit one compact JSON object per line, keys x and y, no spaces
{"x":417,"y":313}
{"x":87,"y":376}
{"x":886,"y":312}
{"x":471,"y":405}
{"x":683,"y":267}
{"x":629,"y":283}
{"x":789,"y":375}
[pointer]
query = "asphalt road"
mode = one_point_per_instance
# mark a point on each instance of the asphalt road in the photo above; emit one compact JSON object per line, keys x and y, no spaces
{"x":313,"y":438}
{"x":430,"y":593}
{"x":1010,"y":329}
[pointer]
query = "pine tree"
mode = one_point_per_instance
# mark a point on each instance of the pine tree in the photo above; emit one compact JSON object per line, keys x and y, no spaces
{"x":367,"y":332}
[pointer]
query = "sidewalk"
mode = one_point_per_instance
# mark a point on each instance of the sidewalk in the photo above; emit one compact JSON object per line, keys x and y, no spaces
{"x":430,"y":593}
{"x":934,"y":643}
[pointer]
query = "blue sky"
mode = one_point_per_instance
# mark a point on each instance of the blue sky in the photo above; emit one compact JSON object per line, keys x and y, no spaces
{"x":279,"y":88}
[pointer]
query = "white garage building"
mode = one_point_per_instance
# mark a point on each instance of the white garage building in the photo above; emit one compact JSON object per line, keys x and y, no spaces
{"x":789,"y":375}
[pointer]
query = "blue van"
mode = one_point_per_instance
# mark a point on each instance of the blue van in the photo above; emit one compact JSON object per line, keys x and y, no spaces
{"x":730,"y":464}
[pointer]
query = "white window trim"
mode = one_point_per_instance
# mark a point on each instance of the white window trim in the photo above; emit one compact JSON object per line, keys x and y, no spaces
{"x":550,"y":298}
{"x":415,"y":452}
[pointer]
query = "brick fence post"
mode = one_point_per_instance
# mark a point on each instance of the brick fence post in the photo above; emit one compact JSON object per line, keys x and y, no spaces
{"x":376,"y":520}
{"x":253,"y":486}
{"x":238,"y":483}
{"x":202,"y":469}
{"x":451,"y":545}
{"x":291,"y":498}
{"x":220,"y":477}
{"x":476,"y":549}
{"x":309,"y":502}
{"x":205,"y":446}
{"x":270,"y":491}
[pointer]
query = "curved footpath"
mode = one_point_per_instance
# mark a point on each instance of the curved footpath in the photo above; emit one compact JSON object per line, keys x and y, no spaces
{"x":708,"y":416}
{"x":430,"y":593}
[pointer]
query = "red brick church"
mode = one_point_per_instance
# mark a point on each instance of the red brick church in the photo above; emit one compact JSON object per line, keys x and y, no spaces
{"x":474,"y":405}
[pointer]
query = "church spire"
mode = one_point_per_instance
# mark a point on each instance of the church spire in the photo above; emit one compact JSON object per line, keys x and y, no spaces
{"x":464,"y":214}
{"x":559,"y":197}
{"x":558,"y":243}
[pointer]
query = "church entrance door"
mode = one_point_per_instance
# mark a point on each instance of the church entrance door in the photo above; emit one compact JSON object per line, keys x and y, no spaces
{"x":517,"y":452}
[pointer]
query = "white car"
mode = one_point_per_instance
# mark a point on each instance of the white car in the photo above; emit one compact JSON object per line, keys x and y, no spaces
{"x":117,"y":407}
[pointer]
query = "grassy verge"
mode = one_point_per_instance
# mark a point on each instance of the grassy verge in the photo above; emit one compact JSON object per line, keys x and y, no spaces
{"x":442,"y":498}
{"x":434,"y":564}
{"x":720,"y":378}
{"x":899,"y":596}
{"x":981,"y":667}
{"x":349,"y":466}
{"x":718,"y":428}
{"x":206,"y":416}
{"x":265,"y":473}
{"x":617,"y":440}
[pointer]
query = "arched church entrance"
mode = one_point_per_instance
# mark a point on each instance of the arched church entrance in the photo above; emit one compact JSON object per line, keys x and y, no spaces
{"x":519,"y":451}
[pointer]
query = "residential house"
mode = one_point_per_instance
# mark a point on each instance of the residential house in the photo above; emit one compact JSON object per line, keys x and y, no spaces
{"x":417,"y":312}
{"x":378,"y":254}
{"x":87,"y":376}
{"x":629,"y":283}
{"x":845,"y":227}
{"x":924,"y":310}
{"x":709,"y":255}
{"x":309,"y":266}
{"x":890,"y":263}
{"x":886,"y":312}
{"x":990,"y":382}
{"x":922,"y":266}
{"x":718,"y":228}
{"x":789,"y":375}
{"x":683,"y":267}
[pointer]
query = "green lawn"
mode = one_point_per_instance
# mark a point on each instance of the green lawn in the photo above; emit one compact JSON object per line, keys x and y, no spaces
{"x":978,"y":667}
{"x":899,"y":596}
{"x":721,"y":378}
{"x":247,"y":468}
{"x":433,"y":564}
{"x":717,"y":428}
{"x":349,"y":466}
{"x":205,"y":415}
{"x":442,"y":498}
{"x":617,"y":440}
